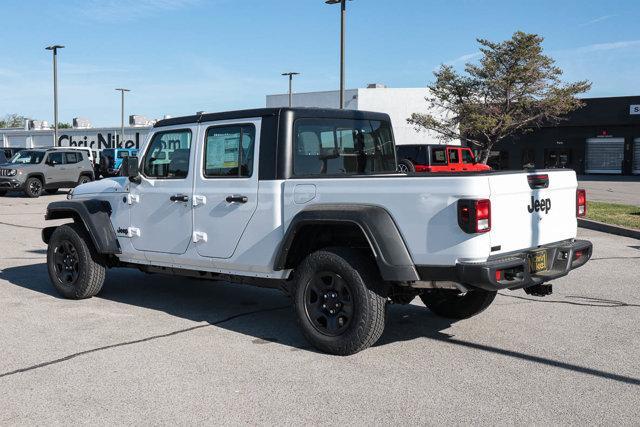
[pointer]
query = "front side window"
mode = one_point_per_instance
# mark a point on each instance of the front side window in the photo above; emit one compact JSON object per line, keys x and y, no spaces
{"x":71,"y":157}
{"x":168,"y":155}
{"x":229,"y":151}
{"x":343,"y":147}
{"x":467,"y":157}
{"x":54,"y":159}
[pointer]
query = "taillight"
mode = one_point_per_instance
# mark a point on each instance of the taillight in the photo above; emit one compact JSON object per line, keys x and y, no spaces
{"x":474,"y":216}
{"x":581,"y":203}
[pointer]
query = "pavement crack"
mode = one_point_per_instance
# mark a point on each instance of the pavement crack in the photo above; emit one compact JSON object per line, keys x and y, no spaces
{"x":589,"y":301}
{"x":138,"y":341}
{"x":20,"y":226}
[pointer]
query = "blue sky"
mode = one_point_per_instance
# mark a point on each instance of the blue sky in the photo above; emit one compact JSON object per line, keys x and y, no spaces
{"x":181,"y":56}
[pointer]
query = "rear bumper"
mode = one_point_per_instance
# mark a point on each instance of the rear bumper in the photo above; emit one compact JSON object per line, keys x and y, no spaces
{"x":561,"y":259}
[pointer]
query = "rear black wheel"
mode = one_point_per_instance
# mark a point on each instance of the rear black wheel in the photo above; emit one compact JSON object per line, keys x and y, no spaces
{"x":84,"y":179}
{"x":454,"y":304}
{"x":406,"y":166}
{"x":75,"y":270}
{"x":340,"y":300}
{"x":33,"y":187}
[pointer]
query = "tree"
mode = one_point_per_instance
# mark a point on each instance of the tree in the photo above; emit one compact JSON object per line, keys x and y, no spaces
{"x":513,"y":90}
{"x":12,"y":121}
{"x":62,"y":125}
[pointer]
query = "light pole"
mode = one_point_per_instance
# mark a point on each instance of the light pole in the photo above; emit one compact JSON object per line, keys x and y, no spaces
{"x":54,"y":49}
{"x":343,"y":19}
{"x":291,"y":74}
{"x":122,"y":91}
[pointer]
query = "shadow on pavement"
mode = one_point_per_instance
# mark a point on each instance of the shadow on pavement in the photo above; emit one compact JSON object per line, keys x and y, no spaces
{"x":224,"y":305}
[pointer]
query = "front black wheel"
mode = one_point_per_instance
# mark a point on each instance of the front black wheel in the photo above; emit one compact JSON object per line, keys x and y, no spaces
{"x":454,"y":304}
{"x":75,"y":270}
{"x":33,"y":187}
{"x":340,"y":300}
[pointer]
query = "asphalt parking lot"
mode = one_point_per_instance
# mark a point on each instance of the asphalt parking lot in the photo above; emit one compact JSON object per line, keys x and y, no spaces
{"x":160,"y":350}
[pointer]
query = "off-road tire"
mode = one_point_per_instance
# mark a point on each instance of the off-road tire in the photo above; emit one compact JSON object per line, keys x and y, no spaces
{"x":84,"y":179}
{"x":456,"y":305}
{"x":51,"y":190}
{"x":90,"y":270}
{"x":367,"y":295}
{"x":406,"y":166}
{"x":33,"y":187}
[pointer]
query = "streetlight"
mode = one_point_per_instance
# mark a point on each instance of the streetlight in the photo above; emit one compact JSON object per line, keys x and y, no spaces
{"x":291,"y":74}
{"x":122,"y":91}
{"x":54,"y":49}
{"x":343,"y":18}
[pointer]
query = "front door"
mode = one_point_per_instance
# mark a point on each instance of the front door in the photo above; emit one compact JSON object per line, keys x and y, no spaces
{"x":453,"y":155}
{"x":161,"y":208}
{"x":56,"y":172}
{"x":226,"y":186}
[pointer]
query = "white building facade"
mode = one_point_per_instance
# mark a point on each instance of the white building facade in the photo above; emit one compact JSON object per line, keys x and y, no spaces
{"x":399,"y":103}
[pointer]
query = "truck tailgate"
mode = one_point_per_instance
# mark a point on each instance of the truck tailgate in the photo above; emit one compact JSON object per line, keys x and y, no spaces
{"x":523,"y":217}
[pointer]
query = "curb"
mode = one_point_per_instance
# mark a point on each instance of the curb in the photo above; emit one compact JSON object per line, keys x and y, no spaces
{"x":608,"y":228}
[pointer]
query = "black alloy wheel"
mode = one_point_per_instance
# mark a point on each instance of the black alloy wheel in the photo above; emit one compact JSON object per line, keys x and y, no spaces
{"x":329,"y":303}
{"x":65,"y":262}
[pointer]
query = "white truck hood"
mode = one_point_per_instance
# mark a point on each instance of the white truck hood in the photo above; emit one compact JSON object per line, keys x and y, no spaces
{"x":118,"y":184}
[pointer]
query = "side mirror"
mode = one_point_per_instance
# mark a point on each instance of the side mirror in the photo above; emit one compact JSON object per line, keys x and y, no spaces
{"x":130,"y":169}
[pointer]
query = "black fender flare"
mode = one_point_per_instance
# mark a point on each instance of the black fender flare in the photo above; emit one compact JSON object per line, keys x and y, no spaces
{"x":94,"y":215}
{"x":386,"y":242}
{"x":38,"y":175}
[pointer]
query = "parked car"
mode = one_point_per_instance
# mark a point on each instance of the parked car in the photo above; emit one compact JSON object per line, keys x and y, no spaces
{"x":309,"y":201}
{"x":111,"y":160}
{"x":36,"y":170}
{"x":437,"y":158}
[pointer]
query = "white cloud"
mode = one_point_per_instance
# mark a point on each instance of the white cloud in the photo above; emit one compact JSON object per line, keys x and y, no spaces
{"x":596,"y":20}
{"x":602,"y":47}
{"x":464,"y":58}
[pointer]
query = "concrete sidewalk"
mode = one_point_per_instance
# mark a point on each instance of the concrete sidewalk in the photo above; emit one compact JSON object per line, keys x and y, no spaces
{"x":614,"y":189}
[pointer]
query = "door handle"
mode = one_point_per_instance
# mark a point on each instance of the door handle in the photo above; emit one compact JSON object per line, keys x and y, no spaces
{"x":237,"y":199}
{"x":179,"y":198}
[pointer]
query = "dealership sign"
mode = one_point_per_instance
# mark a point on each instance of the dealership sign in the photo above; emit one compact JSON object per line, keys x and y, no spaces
{"x":634,"y":109}
{"x":100,"y":140}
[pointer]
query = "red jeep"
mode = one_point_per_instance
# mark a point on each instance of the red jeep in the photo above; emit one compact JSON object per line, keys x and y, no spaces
{"x":437,"y":158}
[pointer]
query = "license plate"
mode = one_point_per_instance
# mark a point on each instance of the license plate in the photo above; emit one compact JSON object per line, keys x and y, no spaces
{"x":538,"y":261}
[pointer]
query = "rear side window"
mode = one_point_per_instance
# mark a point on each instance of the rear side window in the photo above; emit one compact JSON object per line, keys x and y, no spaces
{"x":453,"y":156}
{"x":342,"y":147}
{"x":229,"y":151}
{"x":168,"y":155}
{"x":438,"y":156}
{"x":55,"y":158}
{"x":416,"y":153}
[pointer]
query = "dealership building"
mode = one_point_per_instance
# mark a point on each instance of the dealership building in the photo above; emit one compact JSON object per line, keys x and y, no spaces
{"x":603,"y":137}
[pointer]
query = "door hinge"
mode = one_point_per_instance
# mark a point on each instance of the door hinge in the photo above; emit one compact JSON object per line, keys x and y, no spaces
{"x":133,"y":198}
{"x":199,"y":236}
{"x":133,"y":232}
{"x":199,"y":200}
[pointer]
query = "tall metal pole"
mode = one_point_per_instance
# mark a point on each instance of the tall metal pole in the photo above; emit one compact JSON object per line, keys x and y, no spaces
{"x":290,"y":74}
{"x":122,"y":91}
{"x":343,"y":23}
{"x":343,"y":18}
{"x":54,"y":50}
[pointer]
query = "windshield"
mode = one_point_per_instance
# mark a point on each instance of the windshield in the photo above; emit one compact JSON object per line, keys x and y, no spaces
{"x":27,"y":157}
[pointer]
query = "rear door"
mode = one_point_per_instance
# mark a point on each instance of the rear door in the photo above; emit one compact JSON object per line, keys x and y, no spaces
{"x":226,"y":185}
{"x":161,"y":208}
{"x":523,"y":217}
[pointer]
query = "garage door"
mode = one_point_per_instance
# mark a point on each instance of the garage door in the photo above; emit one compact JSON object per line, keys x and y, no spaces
{"x":636,"y":156}
{"x":605,"y":155}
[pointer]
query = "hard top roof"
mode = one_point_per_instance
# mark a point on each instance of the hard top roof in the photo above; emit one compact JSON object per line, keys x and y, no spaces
{"x":263,"y":112}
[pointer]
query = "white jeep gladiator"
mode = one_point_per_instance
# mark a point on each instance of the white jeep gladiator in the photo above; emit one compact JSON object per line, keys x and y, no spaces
{"x":309,"y":201}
